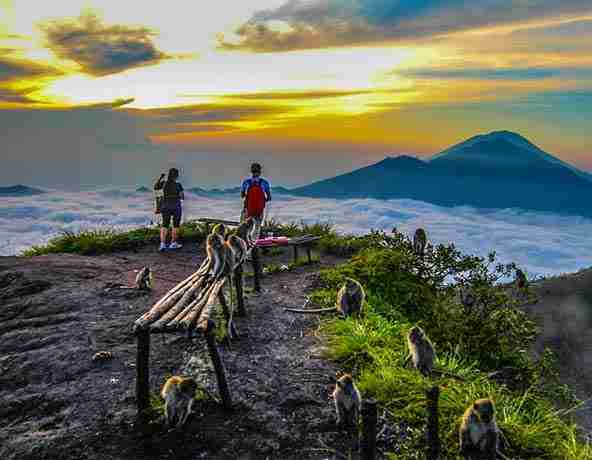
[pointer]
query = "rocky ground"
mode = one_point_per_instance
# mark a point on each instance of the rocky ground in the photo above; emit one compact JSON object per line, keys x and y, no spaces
{"x":56,"y":402}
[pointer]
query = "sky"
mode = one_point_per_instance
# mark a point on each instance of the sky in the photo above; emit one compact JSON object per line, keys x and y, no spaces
{"x":542,"y":244}
{"x":96,"y":93}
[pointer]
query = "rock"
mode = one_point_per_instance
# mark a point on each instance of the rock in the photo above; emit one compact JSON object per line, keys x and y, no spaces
{"x":102,"y":356}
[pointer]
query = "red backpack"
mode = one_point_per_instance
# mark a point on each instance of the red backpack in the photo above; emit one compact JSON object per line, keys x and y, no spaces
{"x":255,"y":202}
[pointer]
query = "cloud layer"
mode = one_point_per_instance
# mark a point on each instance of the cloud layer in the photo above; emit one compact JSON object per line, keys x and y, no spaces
{"x":542,"y":243}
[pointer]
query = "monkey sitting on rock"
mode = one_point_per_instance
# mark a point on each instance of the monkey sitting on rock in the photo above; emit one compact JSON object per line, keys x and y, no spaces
{"x":350,"y":300}
{"x":179,"y":396}
{"x":479,"y":433}
{"x":348,"y":402}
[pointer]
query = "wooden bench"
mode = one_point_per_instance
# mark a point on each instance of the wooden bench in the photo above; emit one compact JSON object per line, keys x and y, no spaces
{"x":209,"y":221}
{"x":305,"y":241}
{"x":187,"y":308}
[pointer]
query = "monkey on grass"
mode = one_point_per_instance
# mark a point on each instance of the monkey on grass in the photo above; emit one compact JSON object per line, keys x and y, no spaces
{"x":179,"y":396}
{"x":350,"y":300}
{"x":420,"y":240}
{"x":348,"y":402}
{"x":422,"y":354}
{"x":479,"y":433}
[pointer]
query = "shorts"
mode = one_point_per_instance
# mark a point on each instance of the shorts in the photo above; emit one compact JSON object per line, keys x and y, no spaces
{"x":168,"y":214}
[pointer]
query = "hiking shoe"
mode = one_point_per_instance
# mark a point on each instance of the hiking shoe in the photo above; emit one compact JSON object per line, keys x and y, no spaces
{"x":162,"y":247}
{"x":175,"y":245}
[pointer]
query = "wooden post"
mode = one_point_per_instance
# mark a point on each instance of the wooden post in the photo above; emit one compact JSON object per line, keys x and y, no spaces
{"x":369,"y":420}
{"x":142,"y":372}
{"x":433,"y":452}
{"x":218,"y":365}
{"x":308,"y":253}
{"x":238,"y":286}
{"x":226,"y":312}
{"x":295,"y":253}
{"x":256,"y":269}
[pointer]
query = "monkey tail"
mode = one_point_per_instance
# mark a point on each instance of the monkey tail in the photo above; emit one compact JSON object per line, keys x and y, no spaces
{"x":308,"y":310}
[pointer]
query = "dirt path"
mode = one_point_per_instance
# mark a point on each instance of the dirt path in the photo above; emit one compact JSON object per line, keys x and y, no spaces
{"x":55,"y":402}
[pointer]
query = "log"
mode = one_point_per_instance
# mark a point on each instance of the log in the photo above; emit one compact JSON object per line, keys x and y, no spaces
{"x":164,"y":304}
{"x":369,"y":419}
{"x":433,"y":438}
{"x":196,"y":304}
{"x":210,"y":328}
{"x":195,"y":314}
{"x":180,"y":305}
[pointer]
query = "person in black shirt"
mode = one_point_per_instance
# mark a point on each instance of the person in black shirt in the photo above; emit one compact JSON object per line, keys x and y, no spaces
{"x":170,"y":207}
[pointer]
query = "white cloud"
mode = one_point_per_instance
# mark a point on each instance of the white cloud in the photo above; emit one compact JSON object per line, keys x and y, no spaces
{"x":544,"y":244}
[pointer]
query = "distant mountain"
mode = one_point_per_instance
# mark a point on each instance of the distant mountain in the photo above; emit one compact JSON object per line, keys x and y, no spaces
{"x":498,"y":170}
{"x":233,"y":191}
{"x":20,"y":190}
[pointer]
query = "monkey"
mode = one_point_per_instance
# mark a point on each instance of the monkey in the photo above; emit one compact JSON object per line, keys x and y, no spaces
{"x":236,"y":253}
{"x":419,"y":242}
{"x":219,"y":229}
{"x":479,"y":433}
{"x":216,"y":250}
{"x":521,"y":280}
{"x":350,"y":300}
{"x":467,"y":298}
{"x":102,"y":356}
{"x":347,"y":401}
{"x":421,"y":350}
{"x":144,"y":279}
{"x":178,"y":394}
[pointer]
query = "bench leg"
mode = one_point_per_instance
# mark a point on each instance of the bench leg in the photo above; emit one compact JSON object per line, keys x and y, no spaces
{"x":256,"y":269}
{"x":218,"y":365}
{"x":238,"y":286}
{"x":142,"y":373}
{"x":226,"y":312}
{"x":295,"y":253}
{"x":308,"y":254}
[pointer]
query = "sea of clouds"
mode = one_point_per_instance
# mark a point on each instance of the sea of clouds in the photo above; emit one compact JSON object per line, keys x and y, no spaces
{"x":543,"y":244}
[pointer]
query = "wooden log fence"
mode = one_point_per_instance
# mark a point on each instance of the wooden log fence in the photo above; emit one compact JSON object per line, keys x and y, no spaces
{"x":369,"y":421}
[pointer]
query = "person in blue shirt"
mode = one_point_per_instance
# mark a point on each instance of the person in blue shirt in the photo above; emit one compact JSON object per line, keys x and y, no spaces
{"x":255,"y":192}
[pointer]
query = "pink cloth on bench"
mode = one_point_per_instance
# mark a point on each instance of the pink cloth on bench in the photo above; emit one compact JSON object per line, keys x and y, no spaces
{"x":272,"y":241}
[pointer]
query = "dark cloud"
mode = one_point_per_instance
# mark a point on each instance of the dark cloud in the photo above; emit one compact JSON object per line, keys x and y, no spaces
{"x":505,"y":74}
{"x":19,"y":69}
{"x":14,"y":70}
{"x":101,"y":49}
{"x":334,"y":23}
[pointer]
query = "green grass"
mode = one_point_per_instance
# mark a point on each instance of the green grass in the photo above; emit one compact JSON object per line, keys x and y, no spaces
{"x":94,"y":242}
{"x":403,"y":291}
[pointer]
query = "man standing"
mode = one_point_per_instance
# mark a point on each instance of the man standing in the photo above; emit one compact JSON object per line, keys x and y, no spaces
{"x":256,"y":192}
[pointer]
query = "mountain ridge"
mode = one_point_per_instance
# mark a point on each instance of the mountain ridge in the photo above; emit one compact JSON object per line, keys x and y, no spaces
{"x":501,"y":169}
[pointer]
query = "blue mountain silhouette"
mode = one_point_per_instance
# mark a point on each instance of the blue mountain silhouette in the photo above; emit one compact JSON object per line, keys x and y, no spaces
{"x":497,"y":170}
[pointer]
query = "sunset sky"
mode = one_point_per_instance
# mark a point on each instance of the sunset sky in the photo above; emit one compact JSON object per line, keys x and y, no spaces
{"x":108,"y":92}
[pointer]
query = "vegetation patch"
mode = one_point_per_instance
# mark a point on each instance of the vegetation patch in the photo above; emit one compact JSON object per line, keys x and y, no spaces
{"x":492,"y":335}
{"x":104,"y":241}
